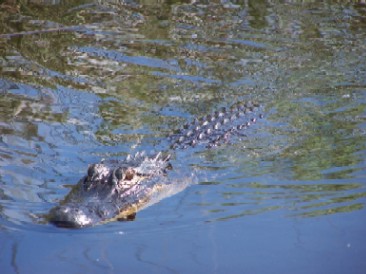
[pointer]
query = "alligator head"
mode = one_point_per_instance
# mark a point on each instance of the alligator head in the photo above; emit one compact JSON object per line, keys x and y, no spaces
{"x":114,"y":191}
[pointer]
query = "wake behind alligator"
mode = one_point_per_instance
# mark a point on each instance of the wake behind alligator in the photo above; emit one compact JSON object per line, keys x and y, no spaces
{"x":116,"y":190}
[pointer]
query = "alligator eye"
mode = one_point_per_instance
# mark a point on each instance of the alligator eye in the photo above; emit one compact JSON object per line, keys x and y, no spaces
{"x":118,"y":173}
{"x":116,"y":176}
{"x":129,"y":174}
{"x":92,"y":170}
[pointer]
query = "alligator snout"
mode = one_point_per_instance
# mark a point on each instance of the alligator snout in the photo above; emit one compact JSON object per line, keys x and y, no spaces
{"x":70,"y":217}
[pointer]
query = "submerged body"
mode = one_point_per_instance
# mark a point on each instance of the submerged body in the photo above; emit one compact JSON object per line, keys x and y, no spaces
{"x":117,"y":190}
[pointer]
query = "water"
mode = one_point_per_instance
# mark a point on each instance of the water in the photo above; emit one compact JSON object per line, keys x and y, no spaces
{"x":288,"y":197}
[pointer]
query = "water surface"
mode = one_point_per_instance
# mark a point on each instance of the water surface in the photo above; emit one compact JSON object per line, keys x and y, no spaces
{"x":82,"y":81}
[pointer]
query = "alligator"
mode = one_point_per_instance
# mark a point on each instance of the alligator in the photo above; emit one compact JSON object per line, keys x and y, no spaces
{"x":118,"y":189}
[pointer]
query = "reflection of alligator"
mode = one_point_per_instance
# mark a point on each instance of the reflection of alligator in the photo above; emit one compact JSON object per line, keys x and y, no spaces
{"x":117,"y":190}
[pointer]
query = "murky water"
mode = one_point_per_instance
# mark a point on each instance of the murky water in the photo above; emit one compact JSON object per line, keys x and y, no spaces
{"x":111,"y":78}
